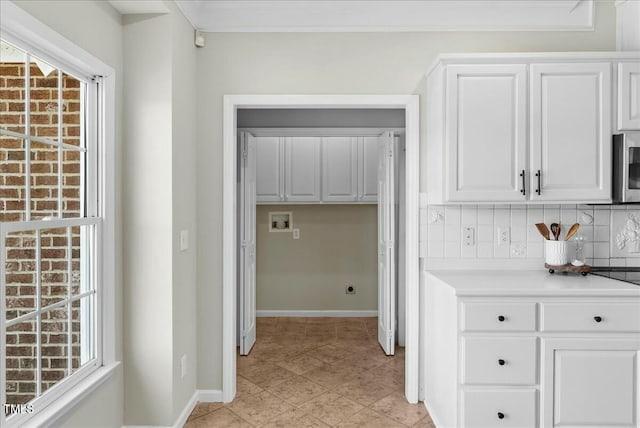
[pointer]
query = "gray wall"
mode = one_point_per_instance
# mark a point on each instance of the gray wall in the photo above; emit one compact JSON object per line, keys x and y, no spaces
{"x":337,"y":246}
{"x":320,"y":118}
{"x":323,"y":63}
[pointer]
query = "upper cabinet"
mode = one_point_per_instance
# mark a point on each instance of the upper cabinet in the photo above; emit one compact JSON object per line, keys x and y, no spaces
{"x":302,"y":169}
{"x":629,"y":96}
{"x":522,"y":128}
{"x":340,"y":169}
{"x":571,"y":132}
{"x":486,"y":131}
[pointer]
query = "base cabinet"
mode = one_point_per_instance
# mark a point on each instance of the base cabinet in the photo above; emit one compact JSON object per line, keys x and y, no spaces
{"x":499,"y":408}
{"x":590,"y":382}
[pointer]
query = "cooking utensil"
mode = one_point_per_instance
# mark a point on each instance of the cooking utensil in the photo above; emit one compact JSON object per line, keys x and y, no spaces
{"x":543,"y":229}
{"x":572,"y":231}
{"x":555,"y":229}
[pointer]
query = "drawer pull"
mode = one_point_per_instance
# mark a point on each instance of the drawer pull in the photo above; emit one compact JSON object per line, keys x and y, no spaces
{"x":500,"y":415}
{"x":597,"y":319}
{"x":501,"y":318}
{"x":501,"y":362}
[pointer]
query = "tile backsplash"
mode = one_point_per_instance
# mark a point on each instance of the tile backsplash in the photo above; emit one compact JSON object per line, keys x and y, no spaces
{"x":509,"y":232}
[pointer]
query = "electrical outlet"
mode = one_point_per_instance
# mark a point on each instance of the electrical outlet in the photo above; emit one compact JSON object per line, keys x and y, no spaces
{"x":183,"y":366}
{"x":350,"y":289}
{"x":504,"y":236}
{"x":468,"y":236}
{"x":296,"y":233}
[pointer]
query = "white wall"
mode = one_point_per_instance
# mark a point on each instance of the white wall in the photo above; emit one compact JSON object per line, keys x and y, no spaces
{"x":96,"y":27}
{"x":314,"y":63}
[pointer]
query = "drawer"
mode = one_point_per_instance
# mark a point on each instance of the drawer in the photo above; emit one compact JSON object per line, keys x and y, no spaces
{"x":593,"y":317}
{"x":499,"y":360}
{"x":480,"y":316}
{"x":499,"y":408}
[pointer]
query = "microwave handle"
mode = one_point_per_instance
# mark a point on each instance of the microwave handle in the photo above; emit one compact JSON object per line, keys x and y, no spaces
{"x":627,"y":144}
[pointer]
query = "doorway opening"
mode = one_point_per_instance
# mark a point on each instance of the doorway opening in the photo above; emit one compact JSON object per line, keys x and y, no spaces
{"x":242,"y":214}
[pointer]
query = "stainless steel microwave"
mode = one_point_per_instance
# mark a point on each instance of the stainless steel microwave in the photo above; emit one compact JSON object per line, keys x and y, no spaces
{"x":626,"y":168}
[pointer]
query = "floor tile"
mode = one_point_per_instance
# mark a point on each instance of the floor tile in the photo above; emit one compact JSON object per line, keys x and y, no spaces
{"x":245,"y":387}
{"x":295,"y":419}
{"x":202,"y":409}
{"x":259,"y":408}
{"x":329,"y":353}
{"x":267,"y":374}
{"x":221,"y":418}
{"x":331,"y":408}
{"x":301,"y":364}
{"x":425,"y":422}
{"x":365,"y":393}
{"x":297,"y":390}
{"x":367,"y":418}
{"x":330,"y":376}
{"x":396,"y":407}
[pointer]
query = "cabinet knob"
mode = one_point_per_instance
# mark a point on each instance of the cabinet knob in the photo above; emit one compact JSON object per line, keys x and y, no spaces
{"x":500,"y":415}
{"x":501,"y":318}
{"x":597,"y":319}
{"x":501,"y":362}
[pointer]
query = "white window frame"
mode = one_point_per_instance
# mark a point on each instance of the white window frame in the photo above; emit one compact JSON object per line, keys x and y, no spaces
{"x":20,"y":28}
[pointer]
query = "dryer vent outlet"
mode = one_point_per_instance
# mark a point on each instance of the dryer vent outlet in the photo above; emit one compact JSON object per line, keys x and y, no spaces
{"x":350,"y":289}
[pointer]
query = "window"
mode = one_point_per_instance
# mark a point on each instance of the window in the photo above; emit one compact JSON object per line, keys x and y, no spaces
{"x":51,"y":229}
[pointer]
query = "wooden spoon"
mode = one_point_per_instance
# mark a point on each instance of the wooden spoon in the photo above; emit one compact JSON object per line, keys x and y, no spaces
{"x":572,"y":231}
{"x":555,"y":229}
{"x":543,"y":229}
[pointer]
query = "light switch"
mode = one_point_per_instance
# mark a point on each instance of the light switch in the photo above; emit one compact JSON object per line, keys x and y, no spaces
{"x":296,"y":233}
{"x":184,"y":240}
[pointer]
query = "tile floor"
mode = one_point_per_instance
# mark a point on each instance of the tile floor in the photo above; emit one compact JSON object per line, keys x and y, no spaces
{"x":316,"y":372}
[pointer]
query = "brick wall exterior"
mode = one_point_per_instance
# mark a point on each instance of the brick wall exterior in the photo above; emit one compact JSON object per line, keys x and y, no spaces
{"x":21,"y":247}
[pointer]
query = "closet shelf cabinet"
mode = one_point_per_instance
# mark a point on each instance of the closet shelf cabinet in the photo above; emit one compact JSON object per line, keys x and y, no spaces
{"x":520,"y":128}
{"x":340,"y":169}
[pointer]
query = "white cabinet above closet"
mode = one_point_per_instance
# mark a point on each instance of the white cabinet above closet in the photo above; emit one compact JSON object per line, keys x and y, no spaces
{"x":270,"y":169}
{"x":339,"y":169}
{"x":524,"y":128}
{"x":302,"y":169}
{"x":629,"y":96}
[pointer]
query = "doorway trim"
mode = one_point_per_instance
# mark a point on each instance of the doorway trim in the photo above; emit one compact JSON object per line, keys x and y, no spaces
{"x":410,"y":103}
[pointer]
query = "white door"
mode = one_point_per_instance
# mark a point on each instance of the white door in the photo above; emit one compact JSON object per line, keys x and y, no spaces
{"x":629,"y":96}
{"x":486,"y":111}
{"x":386,"y":244}
{"x":270,"y":169}
{"x":368,"y":169}
{"x":590,"y":382}
{"x":247,"y":271}
{"x":302,"y":176}
{"x":339,"y":169}
{"x":571,"y":132}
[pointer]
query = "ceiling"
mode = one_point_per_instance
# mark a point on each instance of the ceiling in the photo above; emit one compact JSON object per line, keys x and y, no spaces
{"x":374,"y":15}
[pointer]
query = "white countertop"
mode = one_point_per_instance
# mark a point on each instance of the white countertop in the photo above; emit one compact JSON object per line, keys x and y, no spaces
{"x":532,"y":283}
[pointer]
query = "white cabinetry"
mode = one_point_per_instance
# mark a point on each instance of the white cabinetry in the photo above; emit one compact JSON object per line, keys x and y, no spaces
{"x":629,"y":96}
{"x":302,"y":166}
{"x":486,"y":130}
{"x":571,"y":132}
{"x":525,"y":128}
{"x":339,"y":169}
{"x":368,"y":169}
{"x":270,"y":169}
{"x":529,"y":349}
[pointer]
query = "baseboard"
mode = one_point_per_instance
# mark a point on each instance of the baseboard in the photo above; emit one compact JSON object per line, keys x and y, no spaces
{"x":184,"y":415}
{"x":279,"y":313}
{"x":433,"y":417}
{"x":209,"y":395}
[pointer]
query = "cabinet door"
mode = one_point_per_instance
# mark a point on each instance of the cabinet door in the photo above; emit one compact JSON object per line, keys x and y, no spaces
{"x":571,"y":132}
{"x":590,"y":382}
{"x":269,"y":169}
{"x":302,"y":178}
{"x":629,"y":96}
{"x":339,"y":169}
{"x":486,"y":132}
{"x":368,"y":169}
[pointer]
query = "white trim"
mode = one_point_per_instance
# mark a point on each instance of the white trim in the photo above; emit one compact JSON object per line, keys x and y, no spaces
{"x":388,"y":16}
{"x":210,"y":396}
{"x":296,"y":313}
{"x":320,"y":132}
{"x":131,"y":7}
{"x":433,"y":417}
{"x":188,"y":408}
{"x":410,"y":103}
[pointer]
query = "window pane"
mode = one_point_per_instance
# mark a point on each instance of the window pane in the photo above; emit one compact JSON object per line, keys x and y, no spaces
{"x":20,"y":273}
{"x":44,"y":181}
{"x":71,"y":170}
{"x":21,"y":362}
{"x":54,"y":338}
{"x":83,"y":349}
{"x":54,"y":266}
{"x":12,"y":179}
{"x":44,"y":96}
{"x":12,"y":88}
{"x":71,"y":105}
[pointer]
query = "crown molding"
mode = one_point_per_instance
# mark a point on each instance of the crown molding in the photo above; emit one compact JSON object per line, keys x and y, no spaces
{"x":388,"y":15}
{"x":133,"y":7}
